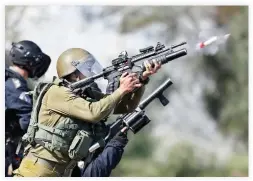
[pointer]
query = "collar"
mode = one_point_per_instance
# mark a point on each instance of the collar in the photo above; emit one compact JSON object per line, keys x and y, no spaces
{"x":12,"y":74}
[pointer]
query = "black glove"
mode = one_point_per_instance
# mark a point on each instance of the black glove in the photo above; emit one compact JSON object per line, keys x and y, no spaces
{"x":76,"y":172}
{"x":121,"y":137}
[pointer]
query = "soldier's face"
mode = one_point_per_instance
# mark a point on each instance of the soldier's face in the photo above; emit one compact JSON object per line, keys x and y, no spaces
{"x":81,"y":76}
{"x":76,"y":77}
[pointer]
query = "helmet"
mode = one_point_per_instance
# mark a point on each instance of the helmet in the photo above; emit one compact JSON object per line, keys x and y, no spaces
{"x":28,"y":55}
{"x":77,"y":59}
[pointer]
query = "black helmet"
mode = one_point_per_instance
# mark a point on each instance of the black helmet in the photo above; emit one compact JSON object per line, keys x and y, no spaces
{"x":28,"y":55}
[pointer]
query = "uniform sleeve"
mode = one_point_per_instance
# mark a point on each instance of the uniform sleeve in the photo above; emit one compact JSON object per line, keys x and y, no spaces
{"x":71,"y":105}
{"x":103,"y":165}
{"x":20,"y":102}
{"x":129,"y":102}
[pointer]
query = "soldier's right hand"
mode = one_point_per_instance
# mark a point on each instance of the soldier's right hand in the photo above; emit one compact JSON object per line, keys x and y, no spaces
{"x":128,"y":82}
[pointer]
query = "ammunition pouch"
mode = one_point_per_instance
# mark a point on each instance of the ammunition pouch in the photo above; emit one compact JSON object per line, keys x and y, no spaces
{"x":79,"y":148}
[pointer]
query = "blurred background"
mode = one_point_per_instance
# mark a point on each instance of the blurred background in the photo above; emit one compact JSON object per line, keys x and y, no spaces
{"x":204,"y":129}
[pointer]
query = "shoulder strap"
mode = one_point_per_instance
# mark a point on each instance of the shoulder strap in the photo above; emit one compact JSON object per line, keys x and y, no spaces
{"x":38,"y":95}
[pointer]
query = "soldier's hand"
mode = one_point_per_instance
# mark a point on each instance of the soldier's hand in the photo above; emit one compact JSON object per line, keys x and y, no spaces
{"x":150,"y":69}
{"x":128,"y":82}
{"x":121,"y":137}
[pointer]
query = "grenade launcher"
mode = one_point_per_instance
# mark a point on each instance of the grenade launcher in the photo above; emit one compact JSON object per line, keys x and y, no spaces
{"x":126,"y":64}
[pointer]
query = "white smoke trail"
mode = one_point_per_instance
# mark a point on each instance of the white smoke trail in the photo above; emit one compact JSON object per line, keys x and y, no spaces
{"x":208,"y":42}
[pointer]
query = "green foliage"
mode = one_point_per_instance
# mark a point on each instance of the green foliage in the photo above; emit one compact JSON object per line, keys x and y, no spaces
{"x":238,"y":165}
{"x":141,"y":145}
{"x":183,"y":160}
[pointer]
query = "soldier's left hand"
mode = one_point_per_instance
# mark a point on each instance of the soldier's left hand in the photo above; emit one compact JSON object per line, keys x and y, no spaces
{"x":151,"y":69}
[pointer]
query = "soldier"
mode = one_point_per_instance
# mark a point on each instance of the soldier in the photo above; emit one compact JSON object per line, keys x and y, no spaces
{"x":65,"y":124}
{"x":28,"y":62}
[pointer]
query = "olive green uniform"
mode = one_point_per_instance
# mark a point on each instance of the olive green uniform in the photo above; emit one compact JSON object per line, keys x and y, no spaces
{"x":57,"y":104}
